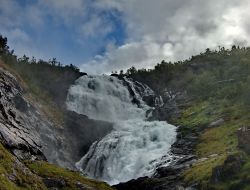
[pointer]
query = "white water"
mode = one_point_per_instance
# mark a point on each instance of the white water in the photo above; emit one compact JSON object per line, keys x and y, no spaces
{"x":135,"y":147}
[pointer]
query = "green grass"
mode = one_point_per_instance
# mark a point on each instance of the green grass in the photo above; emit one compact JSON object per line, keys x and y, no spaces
{"x":23,"y":179}
{"x":197,"y":117}
{"x":71,"y":178}
{"x":201,"y":172}
{"x":28,"y":176}
{"x":218,"y":141}
{"x":239,"y":181}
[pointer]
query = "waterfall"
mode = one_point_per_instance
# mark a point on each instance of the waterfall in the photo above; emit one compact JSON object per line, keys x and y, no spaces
{"x":135,"y":147}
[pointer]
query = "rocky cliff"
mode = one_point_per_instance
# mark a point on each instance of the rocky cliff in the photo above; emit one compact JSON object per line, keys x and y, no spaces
{"x":30,"y":139}
{"x":20,"y":121}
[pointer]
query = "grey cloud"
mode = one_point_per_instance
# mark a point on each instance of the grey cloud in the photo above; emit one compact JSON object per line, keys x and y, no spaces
{"x":156,"y":30}
{"x":64,"y":9}
{"x":172,"y":30}
{"x":10,"y":14}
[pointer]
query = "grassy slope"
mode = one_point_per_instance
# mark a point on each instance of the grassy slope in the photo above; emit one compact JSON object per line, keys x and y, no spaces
{"x":10,"y":168}
{"x":71,"y":178}
{"x":17,"y":176}
{"x":216,"y":143}
{"x":217,"y":86}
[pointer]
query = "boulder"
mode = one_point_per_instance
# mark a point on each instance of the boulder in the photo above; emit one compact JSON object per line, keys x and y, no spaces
{"x":54,"y":183}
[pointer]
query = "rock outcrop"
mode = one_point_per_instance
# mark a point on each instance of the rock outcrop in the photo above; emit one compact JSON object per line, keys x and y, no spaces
{"x":80,"y":132}
{"x":232,"y":165}
{"x":244,"y":139}
{"x":17,"y":122}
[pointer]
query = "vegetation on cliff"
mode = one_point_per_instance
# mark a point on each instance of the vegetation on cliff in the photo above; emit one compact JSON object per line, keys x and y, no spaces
{"x":45,"y":82}
{"x":212,"y":91}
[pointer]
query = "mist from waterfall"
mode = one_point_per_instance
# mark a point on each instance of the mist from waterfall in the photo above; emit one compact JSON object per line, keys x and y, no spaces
{"x":135,"y":147}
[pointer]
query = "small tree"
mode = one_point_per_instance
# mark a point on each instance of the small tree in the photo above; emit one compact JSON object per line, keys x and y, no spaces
{"x":3,"y":44}
{"x":131,"y":71}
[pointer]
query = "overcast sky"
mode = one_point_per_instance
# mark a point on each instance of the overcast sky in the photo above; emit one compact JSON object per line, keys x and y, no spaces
{"x":101,"y":36}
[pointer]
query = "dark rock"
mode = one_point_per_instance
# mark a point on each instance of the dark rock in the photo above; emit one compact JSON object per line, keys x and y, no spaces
{"x":178,"y":151}
{"x":184,"y":145}
{"x":150,"y":100}
{"x":145,"y":183}
{"x":83,"y":74}
{"x":56,"y":183}
{"x":20,"y":104}
{"x":168,"y":112}
{"x":231,"y":166}
{"x":244,"y":139}
{"x":114,"y":75}
{"x":185,"y":159}
{"x":168,"y":171}
{"x":81,"y":132}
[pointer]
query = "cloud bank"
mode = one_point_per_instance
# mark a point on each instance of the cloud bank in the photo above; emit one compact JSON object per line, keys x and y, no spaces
{"x":101,"y":36}
{"x":172,"y":30}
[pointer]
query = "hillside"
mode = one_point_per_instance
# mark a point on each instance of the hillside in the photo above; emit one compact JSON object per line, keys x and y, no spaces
{"x":45,"y":82}
{"x":211,"y":91}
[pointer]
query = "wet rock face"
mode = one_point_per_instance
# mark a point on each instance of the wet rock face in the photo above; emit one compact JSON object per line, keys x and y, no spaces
{"x":15,"y":131}
{"x":80,"y":132}
{"x":141,"y":93}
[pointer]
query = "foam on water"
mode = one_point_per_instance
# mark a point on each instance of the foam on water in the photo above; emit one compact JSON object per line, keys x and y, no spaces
{"x":135,"y":147}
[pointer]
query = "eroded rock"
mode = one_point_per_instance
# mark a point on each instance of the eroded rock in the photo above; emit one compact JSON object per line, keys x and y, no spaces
{"x":15,"y":133}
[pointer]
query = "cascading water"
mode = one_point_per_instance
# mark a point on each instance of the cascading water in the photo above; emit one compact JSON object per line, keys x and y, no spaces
{"x":136,"y":146}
